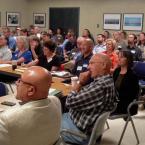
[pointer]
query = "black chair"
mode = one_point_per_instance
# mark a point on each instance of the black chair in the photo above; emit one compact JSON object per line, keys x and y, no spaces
{"x":3,"y":89}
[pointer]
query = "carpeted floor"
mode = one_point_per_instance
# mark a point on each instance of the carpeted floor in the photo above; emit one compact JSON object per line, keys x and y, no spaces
{"x":112,"y":136}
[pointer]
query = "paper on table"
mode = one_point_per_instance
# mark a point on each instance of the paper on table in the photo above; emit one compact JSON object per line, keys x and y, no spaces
{"x":5,"y":65}
{"x":54,"y":91}
{"x":19,"y":70}
{"x":60,"y":73}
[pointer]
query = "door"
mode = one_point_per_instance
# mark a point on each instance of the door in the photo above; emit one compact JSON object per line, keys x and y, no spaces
{"x":64,"y":18}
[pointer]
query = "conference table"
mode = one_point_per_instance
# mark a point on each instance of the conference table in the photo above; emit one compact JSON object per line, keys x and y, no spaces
{"x":56,"y":81}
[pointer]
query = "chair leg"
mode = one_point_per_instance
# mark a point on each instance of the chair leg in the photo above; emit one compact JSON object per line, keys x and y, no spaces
{"x":134,"y":129}
{"x":11,"y":88}
{"x":124,"y":129}
{"x":107,"y":124}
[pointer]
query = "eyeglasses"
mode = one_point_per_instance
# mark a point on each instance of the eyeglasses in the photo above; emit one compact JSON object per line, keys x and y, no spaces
{"x":95,"y":62}
{"x":20,"y":80}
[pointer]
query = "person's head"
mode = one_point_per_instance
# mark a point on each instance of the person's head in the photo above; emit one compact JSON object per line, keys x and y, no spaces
{"x":100,"y":38}
{"x":142,"y":36}
{"x":22,"y":42}
{"x":34,"y":84}
{"x":132,"y":39}
{"x":87,"y":33}
{"x":58,"y":31}
{"x":24,"y":32}
{"x":45,"y":36}
{"x":79,"y":42}
{"x":106,"y":34}
{"x":123,"y":35}
{"x":110,"y":44}
{"x":50,"y":32}
{"x":3,"y":41}
{"x":117,"y":35}
{"x":36,"y":30}
{"x":99,"y":65}
{"x":87,"y":46}
{"x":34,"y":41}
{"x":49,"y":47}
{"x":6,"y":31}
{"x":125,"y":59}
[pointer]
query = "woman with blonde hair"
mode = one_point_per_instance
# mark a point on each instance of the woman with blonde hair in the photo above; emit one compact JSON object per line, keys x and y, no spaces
{"x":22,"y":54}
{"x":110,"y":51}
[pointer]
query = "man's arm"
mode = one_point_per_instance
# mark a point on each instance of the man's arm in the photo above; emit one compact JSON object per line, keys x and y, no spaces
{"x":88,"y":97}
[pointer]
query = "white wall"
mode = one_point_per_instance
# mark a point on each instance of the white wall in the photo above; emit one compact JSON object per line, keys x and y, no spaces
{"x":91,"y":11}
{"x":14,"y":6}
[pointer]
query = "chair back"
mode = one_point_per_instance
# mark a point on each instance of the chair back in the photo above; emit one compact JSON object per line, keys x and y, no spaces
{"x":3,"y":89}
{"x":98,"y":128}
{"x":139,"y":69}
{"x":60,"y":141}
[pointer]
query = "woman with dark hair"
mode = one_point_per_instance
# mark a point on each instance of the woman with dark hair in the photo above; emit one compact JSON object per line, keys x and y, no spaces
{"x":35,"y":47}
{"x":87,"y":34}
{"x":107,"y":35}
{"x":126,"y":83}
{"x":48,"y":59}
{"x":141,"y":44}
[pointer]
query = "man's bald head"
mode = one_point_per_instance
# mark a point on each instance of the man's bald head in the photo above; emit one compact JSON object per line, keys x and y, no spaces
{"x":36,"y":81}
{"x":87,"y":46}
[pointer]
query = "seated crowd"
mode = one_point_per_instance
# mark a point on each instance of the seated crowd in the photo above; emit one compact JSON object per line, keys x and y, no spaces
{"x":104,"y":68}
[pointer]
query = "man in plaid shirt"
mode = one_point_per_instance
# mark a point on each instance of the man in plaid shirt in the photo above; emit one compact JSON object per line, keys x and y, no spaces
{"x":87,"y":103}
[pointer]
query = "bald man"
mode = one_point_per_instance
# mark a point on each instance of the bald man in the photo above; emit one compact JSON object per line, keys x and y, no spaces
{"x":37,"y":121}
{"x":86,"y":103}
{"x":82,"y":61}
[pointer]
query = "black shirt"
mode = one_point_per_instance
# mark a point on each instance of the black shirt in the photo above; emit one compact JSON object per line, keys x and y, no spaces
{"x":81,"y":64}
{"x":48,"y":64}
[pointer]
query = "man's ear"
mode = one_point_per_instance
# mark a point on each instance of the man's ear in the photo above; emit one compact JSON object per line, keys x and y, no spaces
{"x":31,"y":90}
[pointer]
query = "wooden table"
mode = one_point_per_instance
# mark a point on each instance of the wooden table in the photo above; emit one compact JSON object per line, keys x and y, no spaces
{"x":56,"y":82}
{"x":9,"y":72}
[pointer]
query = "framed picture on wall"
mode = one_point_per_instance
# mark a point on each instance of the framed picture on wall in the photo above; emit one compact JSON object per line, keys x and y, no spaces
{"x":39,"y":19}
{"x":111,"y":21}
{"x":0,"y":18}
{"x":133,"y":22}
{"x":12,"y":19}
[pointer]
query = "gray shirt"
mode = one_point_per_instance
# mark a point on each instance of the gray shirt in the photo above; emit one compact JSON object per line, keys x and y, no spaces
{"x":5,"y":53}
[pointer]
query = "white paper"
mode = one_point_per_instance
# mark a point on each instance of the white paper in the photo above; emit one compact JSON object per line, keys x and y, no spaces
{"x":5,"y":65}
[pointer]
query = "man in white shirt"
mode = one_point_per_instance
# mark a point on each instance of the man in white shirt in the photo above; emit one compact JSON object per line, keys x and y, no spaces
{"x":37,"y":121}
{"x":101,"y":46}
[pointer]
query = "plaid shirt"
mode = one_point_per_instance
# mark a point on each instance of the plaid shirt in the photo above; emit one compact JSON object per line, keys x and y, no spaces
{"x":91,"y":101}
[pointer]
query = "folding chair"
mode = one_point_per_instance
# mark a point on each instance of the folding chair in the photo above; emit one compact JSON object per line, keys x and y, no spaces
{"x":128,"y":118}
{"x":97,"y":131}
{"x":3,"y":89}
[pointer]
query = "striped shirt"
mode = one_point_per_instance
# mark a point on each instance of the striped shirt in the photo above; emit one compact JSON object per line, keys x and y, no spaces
{"x":91,"y":101}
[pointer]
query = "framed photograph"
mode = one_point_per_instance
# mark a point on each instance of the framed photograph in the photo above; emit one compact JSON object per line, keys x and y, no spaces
{"x":133,"y":22}
{"x":112,"y":21}
{"x":13,"y":19}
{"x":39,"y":19}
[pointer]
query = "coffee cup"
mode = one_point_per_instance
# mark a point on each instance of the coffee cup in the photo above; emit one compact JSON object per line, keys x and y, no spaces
{"x":74,"y":81}
{"x":14,"y":64}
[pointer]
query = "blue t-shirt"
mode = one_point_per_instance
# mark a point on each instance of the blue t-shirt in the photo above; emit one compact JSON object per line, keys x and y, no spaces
{"x":26,"y":55}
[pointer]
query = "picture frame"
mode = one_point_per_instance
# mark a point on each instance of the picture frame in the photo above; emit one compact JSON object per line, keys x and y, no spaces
{"x":133,"y":22}
{"x":39,"y":19}
{"x":13,"y":19}
{"x":112,"y":21}
{"x":0,"y":19}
